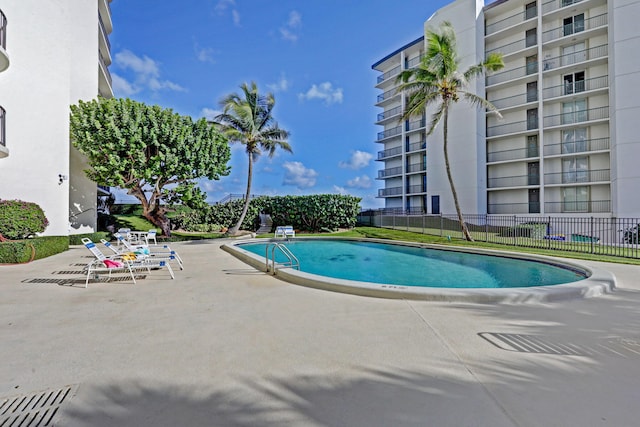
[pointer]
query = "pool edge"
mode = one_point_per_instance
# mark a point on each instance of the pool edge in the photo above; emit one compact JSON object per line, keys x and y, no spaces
{"x":597,"y":283}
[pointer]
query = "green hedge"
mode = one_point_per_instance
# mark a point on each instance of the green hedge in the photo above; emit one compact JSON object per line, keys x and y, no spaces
{"x":19,"y":251}
{"x":76,"y":239}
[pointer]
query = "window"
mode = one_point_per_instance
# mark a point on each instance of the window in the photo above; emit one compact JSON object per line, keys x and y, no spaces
{"x":575,"y":169}
{"x":532,"y":119}
{"x":532,"y":91}
{"x":574,"y":83}
{"x":574,"y":141}
{"x":532,"y":64}
{"x":573,"y":24}
{"x":435,"y":205}
{"x":531,"y":37}
{"x":574,"y":54}
{"x":532,"y":146}
{"x":533,"y":173}
{"x":530,"y":10}
{"x":574,"y":111}
{"x":534,"y":200}
{"x":575,"y":199}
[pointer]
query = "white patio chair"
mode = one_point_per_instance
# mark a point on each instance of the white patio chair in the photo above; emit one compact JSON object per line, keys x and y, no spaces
{"x":157,"y":250}
{"x":285,"y":231}
{"x":156,"y":256}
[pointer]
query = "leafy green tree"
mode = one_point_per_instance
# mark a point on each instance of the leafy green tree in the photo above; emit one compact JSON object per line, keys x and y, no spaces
{"x":153,"y":153}
{"x":438,"y":82}
{"x":247,"y":119}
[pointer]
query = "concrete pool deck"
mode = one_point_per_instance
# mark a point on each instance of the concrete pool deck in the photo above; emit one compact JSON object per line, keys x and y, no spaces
{"x":226,"y":345}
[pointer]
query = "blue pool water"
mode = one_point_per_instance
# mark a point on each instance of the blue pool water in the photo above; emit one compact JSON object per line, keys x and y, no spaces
{"x":414,"y":266}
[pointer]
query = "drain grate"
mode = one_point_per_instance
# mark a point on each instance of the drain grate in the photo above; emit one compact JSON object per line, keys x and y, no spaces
{"x":33,"y":410}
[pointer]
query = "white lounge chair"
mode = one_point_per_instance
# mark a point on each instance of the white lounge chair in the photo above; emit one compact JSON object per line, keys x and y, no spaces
{"x":285,"y":231}
{"x":156,"y":250}
{"x":156,"y":256}
{"x":118,"y":264}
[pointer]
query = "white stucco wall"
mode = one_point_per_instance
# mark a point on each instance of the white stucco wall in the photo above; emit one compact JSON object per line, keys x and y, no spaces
{"x":54,"y":62}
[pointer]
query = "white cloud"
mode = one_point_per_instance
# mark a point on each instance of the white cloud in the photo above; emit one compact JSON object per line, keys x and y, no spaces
{"x":323,"y":91}
{"x":359,"y":159}
{"x":280,"y":86}
{"x":121,"y":87}
{"x":339,"y":190}
{"x":291,"y":29}
{"x":204,"y":54}
{"x":223,"y":5}
{"x":209,"y":113}
{"x":298,"y":175}
{"x":146,"y":73}
{"x":360,"y":182}
{"x":236,"y":17}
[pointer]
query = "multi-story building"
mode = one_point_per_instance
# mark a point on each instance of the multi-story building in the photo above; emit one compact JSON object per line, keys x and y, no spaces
{"x":568,"y":94}
{"x":59,"y":53}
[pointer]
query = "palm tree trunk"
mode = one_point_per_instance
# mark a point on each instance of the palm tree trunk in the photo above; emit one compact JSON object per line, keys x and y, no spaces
{"x":236,"y":228}
{"x":463,"y":226}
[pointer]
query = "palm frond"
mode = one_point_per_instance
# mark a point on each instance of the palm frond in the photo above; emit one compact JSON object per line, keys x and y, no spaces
{"x":480,"y":102}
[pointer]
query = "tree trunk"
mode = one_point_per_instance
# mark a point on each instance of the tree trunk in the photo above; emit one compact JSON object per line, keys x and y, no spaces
{"x":463,"y":226}
{"x":151,"y":211}
{"x":236,"y":228}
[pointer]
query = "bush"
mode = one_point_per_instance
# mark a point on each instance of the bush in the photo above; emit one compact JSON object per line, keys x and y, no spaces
{"x":19,"y":220}
{"x":76,"y":239}
{"x":20,"y":251}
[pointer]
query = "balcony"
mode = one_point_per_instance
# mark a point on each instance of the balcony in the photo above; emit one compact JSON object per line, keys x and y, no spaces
{"x":391,"y":73}
{"x":600,"y":113}
{"x":105,"y":83}
{"x":513,"y":208}
{"x":577,"y":177}
{"x":588,"y":206}
{"x":514,"y":181}
{"x":393,"y":112}
{"x":387,"y":173}
{"x":414,"y":125}
{"x":4,"y":56}
{"x":414,"y":62}
{"x":513,"y":127}
{"x":575,"y":57}
{"x":514,"y":154}
{"x":510,"y":21}
{"x":512,"y":74}
{"x":416,"y":189}
{"x":390,"y":192}
{"x":3,"y":142}
{"x":391,"y":152}
{"x":574,"y":28}
{"x":572,"y":147}
{"x":515,"y":100}
{"x":395,"y":131}
{"x":387,"y":95}
{"x":104,"y":10}
{"x":416,"y":167}
{"x":552,"y":5}
{"x":595,"y":83}
{"x":516,"y":46}
{"x":417,"y":146}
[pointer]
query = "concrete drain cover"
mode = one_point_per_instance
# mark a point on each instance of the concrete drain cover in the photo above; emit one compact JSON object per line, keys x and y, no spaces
{"x":33,"y":410}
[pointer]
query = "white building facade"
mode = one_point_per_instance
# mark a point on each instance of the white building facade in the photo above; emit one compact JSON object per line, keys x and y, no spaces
{"x":568,"y":94}
{"x":57,"y":52}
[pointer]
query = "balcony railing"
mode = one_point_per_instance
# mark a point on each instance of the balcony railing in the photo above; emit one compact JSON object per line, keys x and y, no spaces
{"x":513,"y":208}
{"x":390,"y":113}
{"x":576,"y":87}
{"x":413,"y":189}
{"x":416,"y":124}
{"x":600,"y":113}
{"x":512,"y":101}
{"x":552,"y":5}
{"x":590,"y":206}
{"x":514,"y":181}
{"x":514,"y":154}
{"x":513,"y":127}
{"x":389,"y":133}
{"x":387,"y":95}
{"x":414,"y":62}
{"x":3,"y":30}
{"x":386,"y":192}
{"x":107,"y":73}
{"x":509,"y":21}
{"x":3,"y":114}
{"x":385,"y":173}
{"x":598,"y":144}
{"x":104,"y":31}
{"x":575,"y":177}
{"x":573,"y":28}
{"x":514,"y":47}
{"x":392,"y":72}
{"x":575,"y":57}
{"x":416,"y":167}
{"x":391,"y":152}
{"x":512,"y":74}
{"x":415,"y":146}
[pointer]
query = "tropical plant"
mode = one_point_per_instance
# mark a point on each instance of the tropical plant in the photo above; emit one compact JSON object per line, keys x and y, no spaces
{"x":438,"y":82}
{"x":247,"y":119}
{"x":153,"y":153}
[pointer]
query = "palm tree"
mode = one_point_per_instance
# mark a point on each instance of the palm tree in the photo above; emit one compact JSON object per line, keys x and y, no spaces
{"x":438,"y":82}
{"x":247,"y":119}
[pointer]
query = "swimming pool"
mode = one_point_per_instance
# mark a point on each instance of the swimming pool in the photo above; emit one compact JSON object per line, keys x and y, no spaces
{"x":407,"y":270}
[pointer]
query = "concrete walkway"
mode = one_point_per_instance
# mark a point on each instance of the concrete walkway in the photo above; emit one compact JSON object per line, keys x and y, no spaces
{"x":225,"y":345}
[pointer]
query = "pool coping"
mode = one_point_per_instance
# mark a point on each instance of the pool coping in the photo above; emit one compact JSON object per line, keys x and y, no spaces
{"x":597,"y":283}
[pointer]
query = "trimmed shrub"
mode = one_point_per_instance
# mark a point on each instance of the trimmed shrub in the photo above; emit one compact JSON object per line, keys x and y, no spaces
{"x":26,"y":250}
{"x":19,"y":219}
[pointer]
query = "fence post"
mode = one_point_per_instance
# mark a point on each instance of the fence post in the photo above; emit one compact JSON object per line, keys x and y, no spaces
{"x":423,"y":215}
{"x":549,"y":232}
{"x":441,"y":225}
{"x":515,"y":231}
{"x":591,"y":235}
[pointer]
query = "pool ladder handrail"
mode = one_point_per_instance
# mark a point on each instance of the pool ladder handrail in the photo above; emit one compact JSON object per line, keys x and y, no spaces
{"x":292,"y":262}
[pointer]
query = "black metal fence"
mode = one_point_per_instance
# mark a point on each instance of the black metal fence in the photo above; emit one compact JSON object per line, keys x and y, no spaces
{"x":603,"y":236}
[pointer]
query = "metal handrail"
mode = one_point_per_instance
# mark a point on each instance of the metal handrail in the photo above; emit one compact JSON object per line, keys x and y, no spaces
{"x":3,"y":30}
{"x":568,"y":30}
{"x":395,"y":70}
{"x":575,"y":57}
{"x":552,"y":5}
{"x":292,"y":262}
{"x":576,"y":87}
{"x":509,"y":21}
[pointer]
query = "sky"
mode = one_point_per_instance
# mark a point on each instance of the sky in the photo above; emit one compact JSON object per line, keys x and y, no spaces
{"x":315,"y":56}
